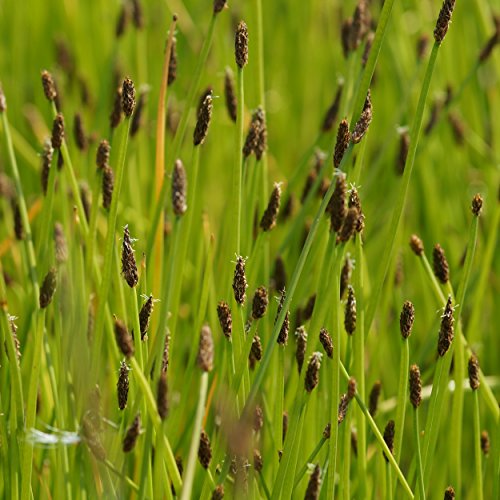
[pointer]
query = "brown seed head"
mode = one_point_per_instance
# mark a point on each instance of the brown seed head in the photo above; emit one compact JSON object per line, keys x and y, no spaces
{"x":172,"y":65}
{"x":474,"y":372}
{"x":443,"y":21}
{"x":137,"y":15}
{"x":440,"y":264}
{"x":145,"y":315}
{"x":85,"y":196}
{"x":230,"y":95}
{"x":260,"y":302}
{"x":355,"y":201}
{"x":345,"y":275}
{"x":342,"y":410}
{"x":129,"y":266}
{"x":449,"y":493}
{"x":300,"y":353}
{"x":416,"y":245}
{"x":345,"y":35}
{"x":457,"y":127}
{"x":360,"y":24}
{"x":179,"y":189}
{"x":477,"y":205}
{"x":241,"y":44}
{"x":285,"y":425}
{"x":350,"y":311}
{"x":122,"y":385}
{"x":389,"y":433}
{"x":225,"y":318}
{"x":364,"y":121}
{"x":343,"y":138}
{"x":312,"y":374}
{"x":218,"y":493}
{"x":256,"y":350}
{"x":314,"y":484}
{"x":122,"y":21}
{"x":327,"y":430}
{"x":256,"y":138}
{"x":351,"y":388}
{"x":18,"y":221}
{"x":116,"y":113}
{"x":219,"y":5}
{"x":279,"y":274}
{"x":285,"y":327}
{"x":326,"y":342}
{"x":404,"y":146}
{"x":128,"y":97}
{"x":123,"y":338}
{"x":80,"y":136}
{"x":485,"y":443}
{"x":406,"y":319}
{"x":48,"y":288}
{"x":49,"y":88}
{"x":337,"y":205}
{"x":46,"y":156}
{"x":446,"y":329}
{"x":102,"y":155}
{"x":415,"y":386}
{"x":270,"y":215}
{"x":368,"y":47}
{"x":240,"y":281}
{"x":61,"y":247}
{"x":108,"y":182}
{"x":166,"y":352}
{"x":58,"y":131}
{"x":374,"y":397}
{"x":257,"y":461}
{"x":332,"y":112}
{"x":132,"y":434}
{"x":204,"y":450}
{"x":204,"y":117}
{"x":205,"y":358}
{"x":309,"y":307}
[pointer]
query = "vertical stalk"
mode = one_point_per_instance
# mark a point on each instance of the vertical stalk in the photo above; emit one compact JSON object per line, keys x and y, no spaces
{"x":402,"y":398}
{"x":420,"y":489}
{"x":477,"y":448}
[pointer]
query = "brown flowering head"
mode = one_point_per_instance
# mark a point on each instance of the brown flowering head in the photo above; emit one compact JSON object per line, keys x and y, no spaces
{"x":352,"y":221}
{"x":368,"y":47}
{"x":129,"y":266}
{"x":260,"y":302}
{"x":332,"y":112}
{"x":166,"y":354}
{"x":406,"y":319}
{"x":122,"y":21}
{"x":474,"y":372}
{"x":279,"y":275}
{"x":49,"y":88}
{"x":48,"y":288}
{"x":326,"y":342}
{"x":179,"y":189}
{"x":230,"y":95}
{"x":108,"y":183}
{"x":102,"y":155}
{"x":440,"y":264}
{"x":345,"y":274}
{"x":343,"y":138}
{"x":47,"y":155}
{"x":404,"y":147}
{"x":123,"y":338}
{"x":312,"y":373}
{"x":172,"y":64}
{"x":258,"y":420}
{"x":342,"y":410}
{"x":350,"y":311}
{"x":132,"y":434}
{"x":351,"y":388}
{"x":345,"y":36}
{"x":477,"y":205}
{"x":240,"y":281}
{"x":309,"y":307}
{"x":145,"y":316}
{"x":256,"y":138}
{"x":204,"y":450}
{"x":355,"y":201}
{"x":18,"y":221}
{"x":137,"y":14}
{"x":58,"y":131}
{"x":415,"y":386}
{"x":218,"y":493}
{"x":337,"y":205}
{"x":374,"y":397}
{"x":449,"y":493}
{"x":258,"y":462}
{"x":446,"y":330}
{"x":225,"y":318}
{"x":300,"y":353}
{"x":205,"y":357}
{"x":416,"y":245}
{"x":256,"y":349}
{"x":162,"y":396}
{"x":364,"y":121}
{"x":285,"y":327}
{"x":128,"y":97}
{"x":360,"y":24}
{"x":485,"y":443}
{"x":241,"y":44}
{"x":219,"y":5}
{"x":487,"y":49}
{"x":314,"y":484}
{"x":79,"y":132}
{"x":122,"y":385}
{"x":444,"y":20}
{"x":270,"y":215}
{"x":327,"y":431}
{"x":389,"y":433}
{"x":203,"y":121}
{"x":116,"y":113}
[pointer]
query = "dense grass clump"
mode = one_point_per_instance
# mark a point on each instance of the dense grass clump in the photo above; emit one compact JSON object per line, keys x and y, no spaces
{"x":249,"y":249}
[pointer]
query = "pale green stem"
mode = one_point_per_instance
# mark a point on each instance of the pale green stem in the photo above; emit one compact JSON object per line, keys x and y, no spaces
{"x":420,"y":489}
{"x":477,"y":447}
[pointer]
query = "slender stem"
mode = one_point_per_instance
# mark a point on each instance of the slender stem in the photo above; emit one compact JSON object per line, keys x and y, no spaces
{"x":402,"y":398}
{"x":310,"y":459}
{"x":477,"y":447}
{"x":420,"y":489}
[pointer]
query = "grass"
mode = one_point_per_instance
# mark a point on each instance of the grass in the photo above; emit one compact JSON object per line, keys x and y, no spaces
{"x":61,"y":431}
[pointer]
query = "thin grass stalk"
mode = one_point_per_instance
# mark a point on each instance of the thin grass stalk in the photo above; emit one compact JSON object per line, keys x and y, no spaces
{"x":279,"y":394}
{"x":477,"y":447}
{"x":496,"y":462}
{"x":310,"y":460}
{"x":96,"y":189}
{"x":389,"y":495}
{"x":402,"y":398}
{"x":160,"y":479}
{"x":420,"y":487}
{"x":403,"y":191}
{"x":346,"y":457}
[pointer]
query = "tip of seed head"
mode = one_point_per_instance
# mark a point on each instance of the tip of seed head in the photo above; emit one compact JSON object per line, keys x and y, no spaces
{"x":440,"y":264}
{"x":474,"y":372}
{"x":48,"y":288}
{"x":241,"y":44}
{"x":415,"y":386}
{"x":389,"y":434}
{"x":225,"y":318}
{"x":128,"y":97}
{"x":416,"y":245}
{"x":206,"y":350}
{"x":49,"y":88}
{"x":312,"y":374}
{"x":406,"y":319}
{"x":444,"y":20}
{"x":477,"y":205}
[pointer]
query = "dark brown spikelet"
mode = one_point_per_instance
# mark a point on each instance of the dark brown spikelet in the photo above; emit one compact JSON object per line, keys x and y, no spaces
{"x":48,"y":288}
{"x":477,"y":205}
{"x":18,"y":221}
{"x":345,"y":275}
{"x":256,"y":349}
{"x":313,"y":486}
{"x":258,"y":462}
{"x":204,"y":117}
{"x":116,"y":113}
{"x":312,"y":373}
{"x":172,"y":64}
{"x":253,"y":140}
{"x":415,"y":386}
{"x":449,"y":493}
{"x":137,"y":119}
{"x":327,"y":430}
{"x":260,"y":302}
{"x":129,"y":266}
{"x":205,"y":358}
{"x":218,"y":493}
{"x":225,"y":318}
{"x":261,"y":144}
{"x":166,"y":353}
{"x":285,"y":327}
{"x":355,"y":201}
{"x":374,"y":397}
{"x":351,"y":388}
{"x":485,"y":443}
{"x":350,"y":311}
{"x":474,"y":372}
{"x":230,"y":95}
{"x":179,"y":189}
{"x":389,"y":433}
{"x":102,"y":155}
{"x":123,"y":338}
{"x":337,"y":205}
{"x":145,"y":315}
{"x":443,"y":21}
{"x":300,"y":353}
{"x":57,"y":131}
{"x":240,"y":281}
{"x":404,"y":146}
{"x":279,"y":275}
{"x":285,"y":426}
{"x":61,"y":247}
{"x":108,"y":182}
{"x":270,"y":215}
{"x":122,"y":385}
{"x":162,"y":396}
{"x":258,"y":419}
{"x":406,"y":319}
{"x":446,"y":330}
{"x":79,"y":133}
{"x":332,"y":112}
{"x":440,"y":264}
{"x":128,"y":97}
{"x":422,"y":45}
{"x":354,"y":442}
{"x":241,"y":44}
{"x":343,"y":138}
{"x":364,"y":121}
{"x":122,"y":21}
{"x":204,"y":450}
{"x":345,"y":35}
{"x":219,"y":5}
{"x":137,"y":14}
{"x":326,"y":342}
{"x":360,"y":22}
{"x":47,"y":155}
{"x":132,"y":434}
{"x":85,"y":197}
{"x":368,"y":47}
{"x":416,"y":245}
{"x":342,"y":410}
{"x":49,"y":88}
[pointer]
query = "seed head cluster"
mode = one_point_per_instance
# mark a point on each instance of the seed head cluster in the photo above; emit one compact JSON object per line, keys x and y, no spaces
{"x":129,"y":266}
{"x":225,"y":318}
{"x":240,"y":281}
{"x":446,"y":330}
{"x":406,"y":319}
{"x":270,"y":215}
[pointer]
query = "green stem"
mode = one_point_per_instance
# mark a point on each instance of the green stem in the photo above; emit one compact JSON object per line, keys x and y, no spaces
{"x":402,"y":398}
{"x":420,"y":489}
{"x":477,"y":447}
{"x":310,"y":460}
